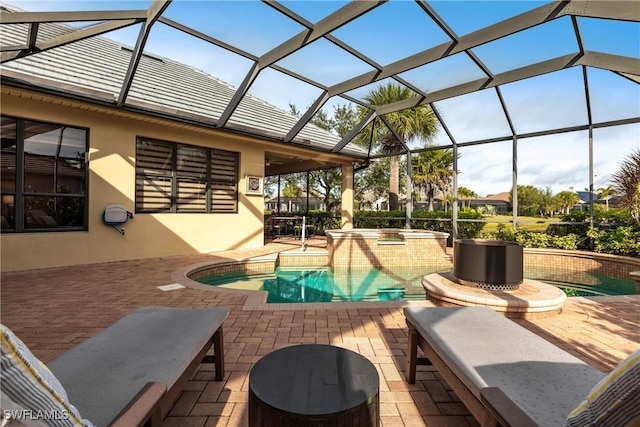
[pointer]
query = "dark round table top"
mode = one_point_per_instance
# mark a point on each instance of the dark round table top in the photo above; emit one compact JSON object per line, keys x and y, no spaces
{"x":314,"y":379}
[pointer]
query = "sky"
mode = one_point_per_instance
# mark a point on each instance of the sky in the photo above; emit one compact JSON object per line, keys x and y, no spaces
{"x":400,"y":28}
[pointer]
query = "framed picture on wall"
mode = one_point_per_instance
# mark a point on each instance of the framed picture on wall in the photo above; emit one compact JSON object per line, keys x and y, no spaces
{"x":254,"y":184}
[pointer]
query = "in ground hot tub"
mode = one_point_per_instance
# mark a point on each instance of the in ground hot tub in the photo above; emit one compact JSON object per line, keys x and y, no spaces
{"x":488,"y":264}
{"x":387,"y":248}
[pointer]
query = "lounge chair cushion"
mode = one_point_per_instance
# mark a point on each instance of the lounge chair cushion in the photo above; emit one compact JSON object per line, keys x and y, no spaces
{"x":150,"y":344}
{"x":28,"y":385}
{"x":485,"y":349}
{"x":613,"y":402}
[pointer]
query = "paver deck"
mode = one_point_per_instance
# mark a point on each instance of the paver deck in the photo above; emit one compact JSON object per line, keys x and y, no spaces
{"x":53,"y":310}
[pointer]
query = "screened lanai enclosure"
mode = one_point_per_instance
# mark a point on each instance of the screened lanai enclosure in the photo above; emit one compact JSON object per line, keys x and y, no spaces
{"x":526,"y":93}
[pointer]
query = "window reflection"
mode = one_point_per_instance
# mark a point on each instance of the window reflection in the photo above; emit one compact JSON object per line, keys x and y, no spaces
{"x":54,"y":158}
{"x":44,"y":176}
{"x":8,"y":171}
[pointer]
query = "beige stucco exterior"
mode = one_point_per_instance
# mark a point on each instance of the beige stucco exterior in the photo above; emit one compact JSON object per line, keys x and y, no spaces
{"x":112,"y":142}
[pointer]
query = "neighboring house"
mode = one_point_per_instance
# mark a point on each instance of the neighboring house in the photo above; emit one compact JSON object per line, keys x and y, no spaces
{"x":70,"y":148}
{"x":612,"y":202}
{"x":500,"y":201}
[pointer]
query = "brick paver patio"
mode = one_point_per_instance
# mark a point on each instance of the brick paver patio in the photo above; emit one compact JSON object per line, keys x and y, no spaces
{"x":54,"y":309}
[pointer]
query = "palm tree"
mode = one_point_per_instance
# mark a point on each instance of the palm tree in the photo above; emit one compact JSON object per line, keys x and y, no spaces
{"x":417,"y":122}
{"x":567,"y":199}
{"x":447,"y":199}
{"x":626,"y":182}
{"x":432,"y":172}
{"x":466,"y":193}
{"x":605,"y":193}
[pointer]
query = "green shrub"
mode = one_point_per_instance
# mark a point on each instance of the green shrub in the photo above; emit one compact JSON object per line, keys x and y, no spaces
{"x":533,"y":239}
{"x":442,"y":221}
{"x":503,"y":232}
{"x":568,"y":242}
{"x":323,"y":220}
{"x":422,"y":220}
{"x":379,"y":219}
{"x":619,"y":241}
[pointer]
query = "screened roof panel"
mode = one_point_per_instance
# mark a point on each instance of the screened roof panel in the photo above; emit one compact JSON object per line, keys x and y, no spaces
{"x":450,"y":71}
{"x":313,"y":11}
{"x":249,"y":25}
{"x":325,"y":63}
{"x":440,"y":138}
{"x":362,"y":92}
{"x":14,"y":34}
{"x":74,"y":65}
{"x":83,"y":5}
{"x":220,"y":63}
{"x":238,"y":65}
{"x":392,"y":31}
{"x":610,"y":147}
{"x":608,"y":36}
{"x":487,"y":168}
{"x":562,"y":103}
{"x":612,"y":97}
{"x":474,"y":116}
{"x":535,"y":165}
{"x":275,"y":88}
{"x":465,"y":17}
{"x":546,"y":41}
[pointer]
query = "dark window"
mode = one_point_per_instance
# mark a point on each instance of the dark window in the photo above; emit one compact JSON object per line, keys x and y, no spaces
{"x":182,"y":178}
{"x":44,"y":176}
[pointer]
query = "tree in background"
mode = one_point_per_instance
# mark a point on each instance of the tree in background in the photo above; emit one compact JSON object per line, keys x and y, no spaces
{"x":605,"y":193}
{"x":566,"y":200}
{"x":626,"y":182}
{"x":328,"y":182}
{"x":433,"y":172}
{"x":528,"y":200}
{"x":466,"y":194}
{"x":345,"y":118}
{"x":548,"y":203}
{"x":371,"y":184}
{"x":417,"y":122}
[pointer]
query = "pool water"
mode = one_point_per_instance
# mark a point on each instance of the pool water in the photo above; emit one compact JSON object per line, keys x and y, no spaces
{"x":584,"y":284}
{"x":379,"y":284}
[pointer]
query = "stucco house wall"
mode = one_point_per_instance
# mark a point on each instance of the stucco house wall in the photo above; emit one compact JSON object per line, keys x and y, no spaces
{"x":112,"y":145}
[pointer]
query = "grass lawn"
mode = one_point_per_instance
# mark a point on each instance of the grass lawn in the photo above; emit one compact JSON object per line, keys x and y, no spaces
{"x":530,"y":223}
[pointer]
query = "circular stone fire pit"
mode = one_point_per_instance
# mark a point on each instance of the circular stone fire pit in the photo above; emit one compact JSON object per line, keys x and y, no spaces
{"x":488,"y":264}
{"x":490,"y":273}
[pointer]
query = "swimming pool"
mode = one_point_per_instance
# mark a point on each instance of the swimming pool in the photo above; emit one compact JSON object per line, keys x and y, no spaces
{"x":308,"y":285}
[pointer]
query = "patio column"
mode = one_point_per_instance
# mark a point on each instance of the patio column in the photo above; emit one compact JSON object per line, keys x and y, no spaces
{"x":346,"y":212}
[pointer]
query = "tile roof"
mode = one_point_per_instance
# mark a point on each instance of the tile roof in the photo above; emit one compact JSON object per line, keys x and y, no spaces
{"x":99,"y":65}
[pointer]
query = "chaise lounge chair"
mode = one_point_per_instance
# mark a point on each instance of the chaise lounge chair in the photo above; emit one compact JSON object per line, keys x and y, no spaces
{"x":127,"y":375}
{"x":509,"y":376}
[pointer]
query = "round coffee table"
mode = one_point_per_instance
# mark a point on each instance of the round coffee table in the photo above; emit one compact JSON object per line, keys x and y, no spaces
{"x":313,"y":384}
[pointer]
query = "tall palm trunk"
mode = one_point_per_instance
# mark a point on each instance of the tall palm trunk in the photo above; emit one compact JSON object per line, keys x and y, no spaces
{"x":394,"y":183}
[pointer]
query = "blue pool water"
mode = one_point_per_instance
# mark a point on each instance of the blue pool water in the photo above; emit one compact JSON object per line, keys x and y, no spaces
{"x":324,"y":285}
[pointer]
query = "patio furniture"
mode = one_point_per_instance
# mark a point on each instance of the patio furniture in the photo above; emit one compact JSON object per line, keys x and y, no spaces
{"x":313,"y":385}
{"x":123,"y":371}
{"x":309,"y":228}
{"x":502,"y":372}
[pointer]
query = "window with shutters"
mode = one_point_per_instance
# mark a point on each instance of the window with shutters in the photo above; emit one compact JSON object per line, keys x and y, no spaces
{"x":183,"y":178}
